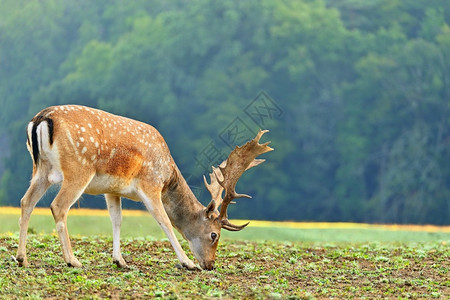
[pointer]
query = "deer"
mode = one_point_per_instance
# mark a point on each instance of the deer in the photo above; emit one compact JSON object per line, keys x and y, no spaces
{"x":87,"y":150}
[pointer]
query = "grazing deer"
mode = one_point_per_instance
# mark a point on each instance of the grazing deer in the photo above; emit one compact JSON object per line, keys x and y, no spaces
{"x":86,"y":150}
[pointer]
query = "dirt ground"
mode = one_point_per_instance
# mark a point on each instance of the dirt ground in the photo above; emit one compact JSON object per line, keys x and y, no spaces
{"x":243,"y":270}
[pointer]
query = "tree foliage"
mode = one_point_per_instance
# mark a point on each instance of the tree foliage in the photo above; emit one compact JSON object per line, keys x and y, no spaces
{"x":361,"y":123}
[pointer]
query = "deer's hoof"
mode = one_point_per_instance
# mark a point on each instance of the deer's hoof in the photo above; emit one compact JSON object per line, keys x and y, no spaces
{"x":74,"y":263}
{"x":120,"y":263}
{"x":190,"y":267}
{"x":22,"y":261}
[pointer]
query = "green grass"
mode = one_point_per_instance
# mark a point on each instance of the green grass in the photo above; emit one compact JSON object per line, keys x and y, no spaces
{"x":244,"y":269}
{"x":142,"y":226}
{"x":258,"y":262}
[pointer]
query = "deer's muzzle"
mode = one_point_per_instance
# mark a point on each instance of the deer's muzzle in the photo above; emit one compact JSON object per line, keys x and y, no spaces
{"x":207,"y":265}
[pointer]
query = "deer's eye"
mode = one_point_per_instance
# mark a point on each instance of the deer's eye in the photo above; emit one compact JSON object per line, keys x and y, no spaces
{"x":213,"y":236}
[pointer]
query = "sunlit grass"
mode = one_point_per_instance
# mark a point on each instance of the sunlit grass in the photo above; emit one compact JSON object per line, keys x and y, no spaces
{"x":342,"y":225}
{"x":138,"y":223}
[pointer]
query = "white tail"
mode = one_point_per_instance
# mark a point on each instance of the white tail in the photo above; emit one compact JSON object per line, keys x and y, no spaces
{"x":91,"y":151}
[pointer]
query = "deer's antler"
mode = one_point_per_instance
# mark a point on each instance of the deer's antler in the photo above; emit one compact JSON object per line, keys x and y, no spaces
{"x":214,"y":188}
{"x":226,"y":175}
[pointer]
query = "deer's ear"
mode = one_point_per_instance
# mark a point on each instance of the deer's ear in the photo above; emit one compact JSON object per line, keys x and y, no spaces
{"x":210,"y":209}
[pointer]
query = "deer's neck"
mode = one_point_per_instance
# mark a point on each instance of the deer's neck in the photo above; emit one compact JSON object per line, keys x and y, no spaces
{"x":180,"y":203}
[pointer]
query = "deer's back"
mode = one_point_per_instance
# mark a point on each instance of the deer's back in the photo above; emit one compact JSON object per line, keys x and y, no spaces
{"x":117,"y":152}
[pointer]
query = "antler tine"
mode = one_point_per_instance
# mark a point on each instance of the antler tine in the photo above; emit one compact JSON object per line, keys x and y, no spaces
{"x":240,"y":159}
{"x":214,"y":188}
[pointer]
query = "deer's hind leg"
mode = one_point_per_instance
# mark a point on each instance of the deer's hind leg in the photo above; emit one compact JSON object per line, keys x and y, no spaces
{"x":70,"y":191}
{"x":38,"y":186}
{"x":114,"y":204}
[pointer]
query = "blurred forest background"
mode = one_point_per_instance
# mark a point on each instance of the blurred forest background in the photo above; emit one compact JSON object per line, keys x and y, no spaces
{"x":355,"y":94}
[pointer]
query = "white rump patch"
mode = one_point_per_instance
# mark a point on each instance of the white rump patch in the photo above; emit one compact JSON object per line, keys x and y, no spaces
{"x":29,"y":131}
{"x":43,"y":137}
{"x":55,"y":177}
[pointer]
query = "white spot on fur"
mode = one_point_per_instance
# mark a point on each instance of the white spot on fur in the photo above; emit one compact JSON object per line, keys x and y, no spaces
{"x":96,"y":144}
{"x":89,"y":125}
{"x":111,"y":155}
{"x":92,"y":139}
{"x":83,"y":150}
{"x":83,"y":129}
{"x":93,"y":157}
{"x":81,"y":139}
{"x":69,"y":137}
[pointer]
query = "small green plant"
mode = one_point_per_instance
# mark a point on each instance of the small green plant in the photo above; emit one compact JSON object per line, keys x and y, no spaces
{"x":243,"y":270}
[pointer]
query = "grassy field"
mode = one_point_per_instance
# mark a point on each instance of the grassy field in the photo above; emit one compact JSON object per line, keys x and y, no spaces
{"x":141,"y":224}
{"x":266,"y":260}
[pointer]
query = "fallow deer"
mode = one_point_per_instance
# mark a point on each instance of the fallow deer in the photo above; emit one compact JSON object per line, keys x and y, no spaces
{"x":87,"y":150}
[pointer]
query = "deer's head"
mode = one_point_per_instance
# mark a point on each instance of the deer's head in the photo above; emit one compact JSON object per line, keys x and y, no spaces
{"x":223,"y":179}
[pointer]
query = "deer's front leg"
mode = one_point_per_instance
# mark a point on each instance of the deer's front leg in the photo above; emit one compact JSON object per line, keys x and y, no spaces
{"x":114,"y":204}
{"x":152,"y":202}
